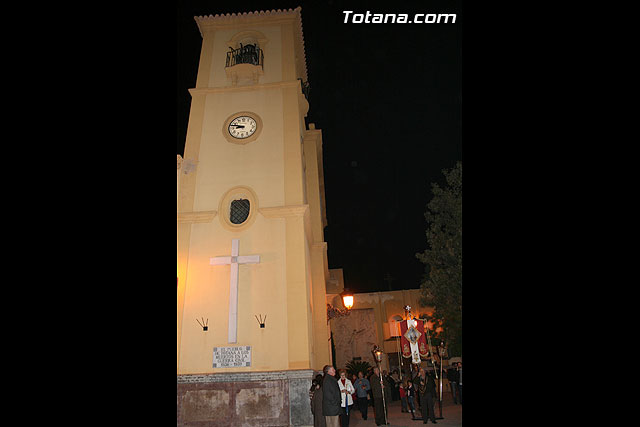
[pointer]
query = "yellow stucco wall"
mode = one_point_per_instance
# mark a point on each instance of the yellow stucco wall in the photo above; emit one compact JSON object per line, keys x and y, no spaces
{"x":285,"y":227}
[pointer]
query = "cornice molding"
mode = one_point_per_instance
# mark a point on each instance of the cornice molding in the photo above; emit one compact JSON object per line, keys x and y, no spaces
{"x":245,"y":376}
{"x":212,"y":22}
{"x":291,"y":211}
{"x":284,"y":211}
{"x":219,"y":20}
{"x":196,"y":217}
{"x":207,"y":90}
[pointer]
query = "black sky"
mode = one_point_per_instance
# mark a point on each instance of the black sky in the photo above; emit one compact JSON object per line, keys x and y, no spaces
{"x":387,"y":98}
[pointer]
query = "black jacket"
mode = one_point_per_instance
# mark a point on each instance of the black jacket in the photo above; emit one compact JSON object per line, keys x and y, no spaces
{"x":427,"y":385}
{"x":376,"y":389}
{"x":453,"y":375}
{"x":331,"y":399}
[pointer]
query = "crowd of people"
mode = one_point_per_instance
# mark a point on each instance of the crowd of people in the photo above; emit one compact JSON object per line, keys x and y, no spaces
{"x":333,"y":397}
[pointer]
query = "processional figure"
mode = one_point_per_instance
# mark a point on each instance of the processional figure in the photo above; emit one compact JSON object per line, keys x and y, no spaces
{"x":416,"y":343}
{"x":377,"y":355}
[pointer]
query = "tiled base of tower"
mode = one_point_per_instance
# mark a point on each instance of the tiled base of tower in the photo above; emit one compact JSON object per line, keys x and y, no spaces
{"x":276,"y":398}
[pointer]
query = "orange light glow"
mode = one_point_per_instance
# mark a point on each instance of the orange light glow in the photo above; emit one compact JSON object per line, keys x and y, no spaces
{"x":429,"y":325}
{"x":348,"y":301}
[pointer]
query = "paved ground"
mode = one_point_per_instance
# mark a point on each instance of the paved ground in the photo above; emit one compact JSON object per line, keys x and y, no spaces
{"x":452,"y":415}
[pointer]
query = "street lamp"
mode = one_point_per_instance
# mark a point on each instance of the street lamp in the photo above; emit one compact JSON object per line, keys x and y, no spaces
{"x":347,"y":299}
{"x":347,"y":302}
{"x":377,"y":353}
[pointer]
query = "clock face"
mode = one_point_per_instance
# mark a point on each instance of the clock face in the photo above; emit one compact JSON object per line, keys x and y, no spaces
{"x":242,"y":127}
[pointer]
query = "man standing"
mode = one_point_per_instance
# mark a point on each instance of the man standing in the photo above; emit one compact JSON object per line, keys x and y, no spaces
{"x":427,"y":389}
{"x":331,"y":398}
{"x":387,"y":381}
{"x":362,"y":387}
{"x":378,"y":404}
{"x":460,"y":382}
{"x":452,"y":376}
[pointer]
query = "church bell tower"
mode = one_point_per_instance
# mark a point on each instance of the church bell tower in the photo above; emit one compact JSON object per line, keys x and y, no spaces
{"x":252,"y":261}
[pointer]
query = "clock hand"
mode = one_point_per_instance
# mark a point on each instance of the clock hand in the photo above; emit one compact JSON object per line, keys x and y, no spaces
{"x":238,"y":126}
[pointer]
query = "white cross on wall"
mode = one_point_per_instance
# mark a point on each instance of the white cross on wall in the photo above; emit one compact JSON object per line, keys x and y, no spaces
{"x":234,"y":260}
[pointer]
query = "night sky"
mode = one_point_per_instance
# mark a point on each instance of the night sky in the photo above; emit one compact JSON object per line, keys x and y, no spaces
{"x":387,"y":98}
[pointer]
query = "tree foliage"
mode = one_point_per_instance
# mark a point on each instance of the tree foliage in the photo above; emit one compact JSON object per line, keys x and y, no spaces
{"x":355,"y":366}
{"x":442,"y":283}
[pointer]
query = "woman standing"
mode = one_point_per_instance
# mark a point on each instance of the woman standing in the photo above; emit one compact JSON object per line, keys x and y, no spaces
{"x":346,"y":390}
{"x":354,"y":396}
{"x":316,"y":403}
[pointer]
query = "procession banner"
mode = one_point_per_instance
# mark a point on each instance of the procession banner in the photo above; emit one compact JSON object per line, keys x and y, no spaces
{"x":413,"y":340}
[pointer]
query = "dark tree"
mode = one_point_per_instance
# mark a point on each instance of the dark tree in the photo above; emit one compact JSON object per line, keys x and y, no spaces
{"x":442,"y":283}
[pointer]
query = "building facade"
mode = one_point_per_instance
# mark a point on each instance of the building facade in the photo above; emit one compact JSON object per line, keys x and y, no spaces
{"x":373,"y":320}
{"x":252,"y":260}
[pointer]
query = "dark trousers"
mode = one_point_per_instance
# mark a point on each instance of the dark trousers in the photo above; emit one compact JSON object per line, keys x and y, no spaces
{"x":454,"y":391}
{"x":378,"y":407}
{"x":363,"y":404}
{"x":427,"y":407}
{"x":403,"y":402}
{"x":412,"y":408}
{"x":410,"y":400}
{"x":344,"y":417}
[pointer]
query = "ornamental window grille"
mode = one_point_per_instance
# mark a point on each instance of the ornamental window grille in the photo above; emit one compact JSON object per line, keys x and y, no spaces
{"x":239,"y":211}
{"x":249,"y":54}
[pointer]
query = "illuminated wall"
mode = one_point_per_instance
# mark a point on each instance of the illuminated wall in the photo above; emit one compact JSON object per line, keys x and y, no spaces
{"x":280,"y":173}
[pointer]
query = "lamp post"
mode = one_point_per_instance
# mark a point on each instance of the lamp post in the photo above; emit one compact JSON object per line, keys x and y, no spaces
{"x":442,"y":351}
{"x":377,"y":353}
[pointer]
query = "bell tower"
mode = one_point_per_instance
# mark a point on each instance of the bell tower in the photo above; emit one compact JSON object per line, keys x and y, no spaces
{"x":251,"y":218}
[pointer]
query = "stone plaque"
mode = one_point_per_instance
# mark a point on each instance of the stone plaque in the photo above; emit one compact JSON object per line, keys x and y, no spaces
{"x":232,"y":357}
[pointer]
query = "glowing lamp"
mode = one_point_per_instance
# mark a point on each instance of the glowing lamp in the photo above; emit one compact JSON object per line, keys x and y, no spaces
{"x":377,"y":353}
{"x":347,"y":300}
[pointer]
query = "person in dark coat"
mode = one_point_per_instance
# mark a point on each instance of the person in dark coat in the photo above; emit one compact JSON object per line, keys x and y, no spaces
{"x":460,"y":382}
{"x":427,"y":390}
{"x":331,"y":397}
{"x":317,"y":380}
{"x":394,"y":382}
{"x":416,"y":390}
{"x":388,"y":382}
{"x":378,"y":404}
{"x":316,"y":403}
{"x":453,"y":377}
